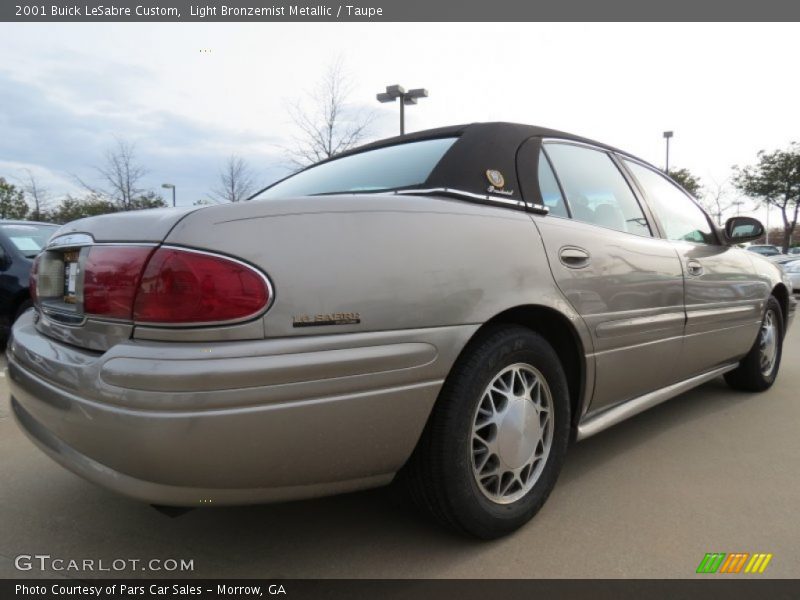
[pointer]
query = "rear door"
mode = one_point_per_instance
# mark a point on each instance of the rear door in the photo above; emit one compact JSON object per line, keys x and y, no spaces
{"x":723,"y":296}
{"x":625,"y":283}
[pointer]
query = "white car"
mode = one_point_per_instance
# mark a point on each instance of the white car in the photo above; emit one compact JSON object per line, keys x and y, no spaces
{"x":766,"y":250}
{"x":792,"y":269}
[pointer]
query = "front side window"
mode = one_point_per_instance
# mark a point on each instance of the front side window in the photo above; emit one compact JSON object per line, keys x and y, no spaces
{"x":381,"y":169}
{"x":680,"y":217}
{"x":596,"y":191}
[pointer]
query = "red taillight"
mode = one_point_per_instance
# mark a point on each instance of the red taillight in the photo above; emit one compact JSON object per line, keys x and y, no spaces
{"x":181,"y":286}
{"x":110,"y":279}
{"x":34,"y":278}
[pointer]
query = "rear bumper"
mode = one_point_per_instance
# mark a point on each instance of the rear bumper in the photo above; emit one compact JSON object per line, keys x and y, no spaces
{"x":234,"y":422}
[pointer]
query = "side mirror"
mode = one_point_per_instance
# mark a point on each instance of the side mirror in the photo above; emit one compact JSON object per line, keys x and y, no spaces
{"x":743,"y":229}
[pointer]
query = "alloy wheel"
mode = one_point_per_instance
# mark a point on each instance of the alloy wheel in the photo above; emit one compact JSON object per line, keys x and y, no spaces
{"x":768,"y":344}
{"x":512,"y":433}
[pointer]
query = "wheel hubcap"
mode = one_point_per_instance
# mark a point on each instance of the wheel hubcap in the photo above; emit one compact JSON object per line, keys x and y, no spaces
{"x":768,"y":343}
{"x":512,"y":433}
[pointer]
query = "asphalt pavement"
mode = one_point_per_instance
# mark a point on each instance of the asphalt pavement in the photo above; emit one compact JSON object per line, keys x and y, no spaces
{"x":710,"y":471}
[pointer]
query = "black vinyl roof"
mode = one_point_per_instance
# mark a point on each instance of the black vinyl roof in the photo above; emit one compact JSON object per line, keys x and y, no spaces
{"x":512,"y":133}
{"x":480,"y":147}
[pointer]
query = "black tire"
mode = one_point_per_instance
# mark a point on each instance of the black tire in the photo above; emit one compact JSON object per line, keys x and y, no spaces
{"x":440,"y":474}
{"x":25,"y":305}
{"x":750,"y":375}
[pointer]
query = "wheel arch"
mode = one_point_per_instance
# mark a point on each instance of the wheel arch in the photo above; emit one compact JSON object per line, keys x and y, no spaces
{"x":781,"y":294}
{"x":560,"y":333}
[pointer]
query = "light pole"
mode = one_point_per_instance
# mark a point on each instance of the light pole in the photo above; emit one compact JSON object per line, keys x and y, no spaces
{"x":667,"y":135}
{"x":170,"y":186}
{"x":406,"y":97}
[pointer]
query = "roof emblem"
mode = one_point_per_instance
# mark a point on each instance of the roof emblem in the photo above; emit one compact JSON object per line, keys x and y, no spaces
{"x":496,"y":178}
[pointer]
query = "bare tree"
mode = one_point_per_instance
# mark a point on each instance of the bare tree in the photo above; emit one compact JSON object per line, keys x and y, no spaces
{"x":36,"y":194}
{"x":236,"y":181}
{"x":326,"y":124}
{"x":120,"y":175}
{"x":717,"y":199}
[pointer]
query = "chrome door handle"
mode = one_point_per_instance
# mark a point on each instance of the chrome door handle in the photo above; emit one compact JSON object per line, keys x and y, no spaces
{"x":574,"y":258}
{"x":694,"y":268}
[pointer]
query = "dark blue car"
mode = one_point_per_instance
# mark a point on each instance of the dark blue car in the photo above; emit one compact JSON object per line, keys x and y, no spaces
{"x":20,"y":242}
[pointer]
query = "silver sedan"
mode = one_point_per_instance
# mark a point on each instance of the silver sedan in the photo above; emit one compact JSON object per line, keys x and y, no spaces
{"x":450,"y":308}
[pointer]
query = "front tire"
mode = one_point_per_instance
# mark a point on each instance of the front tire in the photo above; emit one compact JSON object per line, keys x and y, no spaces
{"x":495,"y":442}
{"x":758,"y":370}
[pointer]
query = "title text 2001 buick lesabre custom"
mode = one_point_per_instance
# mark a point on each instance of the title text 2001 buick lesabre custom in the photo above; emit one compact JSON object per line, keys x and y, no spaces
{"x":452,"y":306}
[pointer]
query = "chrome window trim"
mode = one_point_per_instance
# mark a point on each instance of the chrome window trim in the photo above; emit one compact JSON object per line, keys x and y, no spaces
{"x":546,"y":140}
{"x":538,"y":208}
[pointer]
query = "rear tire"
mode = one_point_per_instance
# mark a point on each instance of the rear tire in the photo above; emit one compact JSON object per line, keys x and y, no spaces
{"x":495,"y":442}
{"x":757,"y":371}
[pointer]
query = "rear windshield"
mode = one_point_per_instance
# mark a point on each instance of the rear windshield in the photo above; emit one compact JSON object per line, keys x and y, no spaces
{"x":387,"y":168}
{"x":28,"y":239}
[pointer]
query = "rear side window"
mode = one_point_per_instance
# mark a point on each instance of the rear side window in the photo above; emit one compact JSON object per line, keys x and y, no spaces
{"x":680,"y":217}
{"x":596,"y":191}
{"x":387,"y":168}
{"x":548,"y":186}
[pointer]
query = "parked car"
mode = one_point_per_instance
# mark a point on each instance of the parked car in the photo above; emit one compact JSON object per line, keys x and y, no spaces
{"x":782,"y":259}
{"x":450,"y":307}
{"x":765,"y":249}
{"x":778,"y":257}
{"x":792,"y":269}
{"x":20,"y":242}
{"x":794,"y":251}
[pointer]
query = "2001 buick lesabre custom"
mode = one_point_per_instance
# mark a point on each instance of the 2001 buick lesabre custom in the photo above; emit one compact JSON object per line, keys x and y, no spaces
{"x":452,"y":306}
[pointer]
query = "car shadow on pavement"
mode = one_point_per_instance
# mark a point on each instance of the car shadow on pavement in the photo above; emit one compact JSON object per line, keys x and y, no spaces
{"x":375,"y":533}
{"x":699,"y":403}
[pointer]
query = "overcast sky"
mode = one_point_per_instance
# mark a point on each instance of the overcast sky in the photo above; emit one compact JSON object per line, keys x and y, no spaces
{"x":66,"y":90}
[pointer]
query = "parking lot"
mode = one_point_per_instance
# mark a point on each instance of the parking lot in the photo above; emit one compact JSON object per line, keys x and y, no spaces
{"x":709,"y":471}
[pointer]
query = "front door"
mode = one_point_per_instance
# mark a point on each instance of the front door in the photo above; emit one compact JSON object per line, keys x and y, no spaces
{"x":724,"y":298}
